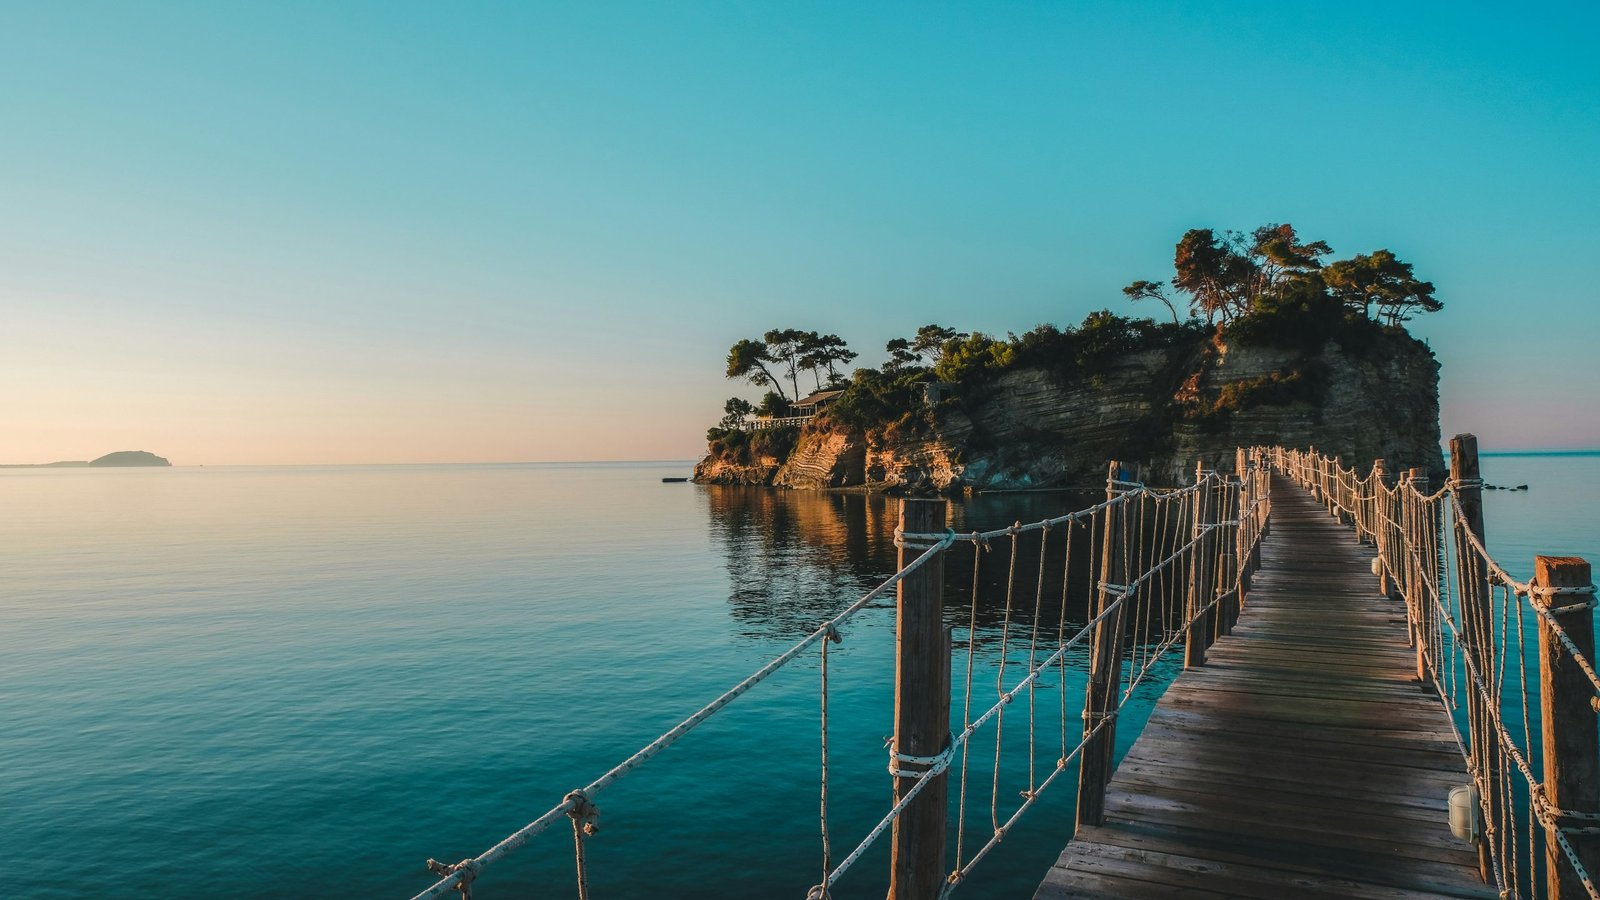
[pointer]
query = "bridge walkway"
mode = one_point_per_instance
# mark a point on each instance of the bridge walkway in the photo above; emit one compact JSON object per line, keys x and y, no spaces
{"x":1303,"y":760}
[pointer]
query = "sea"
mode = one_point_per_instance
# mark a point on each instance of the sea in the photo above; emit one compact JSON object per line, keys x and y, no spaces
{"x":306,"y":681}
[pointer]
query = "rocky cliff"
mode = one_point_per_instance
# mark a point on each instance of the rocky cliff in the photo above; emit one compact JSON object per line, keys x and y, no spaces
{"x":1033,"y":427}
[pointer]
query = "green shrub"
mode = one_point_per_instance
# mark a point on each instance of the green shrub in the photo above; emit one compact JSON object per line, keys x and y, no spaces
{"x":972,"y":358}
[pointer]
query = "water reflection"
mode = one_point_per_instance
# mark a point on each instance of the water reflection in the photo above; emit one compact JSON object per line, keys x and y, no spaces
{"x":795,"y":558}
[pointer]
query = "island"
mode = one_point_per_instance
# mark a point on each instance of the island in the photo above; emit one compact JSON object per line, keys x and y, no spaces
{"x":1265,"y":344}
{"x":119,"y":459}
{"x":130,"y":458}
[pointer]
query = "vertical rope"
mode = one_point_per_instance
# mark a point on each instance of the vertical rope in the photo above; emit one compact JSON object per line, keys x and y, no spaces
{"x":827,"y":846}
{"x":978,"y":549}
{"x":1033,"y":653}
{"x":1061,"y":643}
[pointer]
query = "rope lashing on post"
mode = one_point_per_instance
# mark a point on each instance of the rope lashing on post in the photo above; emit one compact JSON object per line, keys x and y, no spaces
{"x":931,"y":765}
{"x":914,"y":541}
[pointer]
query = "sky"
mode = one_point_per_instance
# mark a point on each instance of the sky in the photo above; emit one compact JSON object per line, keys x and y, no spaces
{"x":479,"y":232}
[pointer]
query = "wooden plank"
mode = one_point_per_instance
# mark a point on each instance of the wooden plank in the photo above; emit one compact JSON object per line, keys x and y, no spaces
{"x":1302,"y":760}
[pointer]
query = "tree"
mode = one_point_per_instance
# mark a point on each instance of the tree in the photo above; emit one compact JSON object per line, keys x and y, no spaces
{"x":1151,"y":290}
{"x":1280,"y":255}
{"x":932,"y":341}
{"x":736,"y":409}
{"x":827,"y":351}
{"x":901,"y":356}
{"x":748,"y":359}
{"x":1227,"y":275}
{"x":773,"y":404}
{"x":784,"y":345}
{"x":1383,"y":280}
{"x":1212,"y":272}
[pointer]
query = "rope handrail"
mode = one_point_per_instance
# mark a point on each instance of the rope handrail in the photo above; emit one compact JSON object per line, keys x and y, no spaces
{"x":1469,"y":618}
{"x":1122,"y":494}
{"x":519,"y":837}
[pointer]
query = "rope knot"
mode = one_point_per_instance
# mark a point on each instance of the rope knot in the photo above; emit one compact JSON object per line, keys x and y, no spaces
{"x":831,"y":633}
{"x":818,"y":892}
{"x":467,"y":869}
{"x":584,"y":814}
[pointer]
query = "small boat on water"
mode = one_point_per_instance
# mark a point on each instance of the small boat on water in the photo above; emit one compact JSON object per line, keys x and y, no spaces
{"x":673,"y":480}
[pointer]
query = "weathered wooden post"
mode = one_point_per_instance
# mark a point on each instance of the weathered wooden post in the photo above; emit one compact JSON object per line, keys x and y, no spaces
{"x":1228,"y":554}
{"x":1340,"y":501}
{"x":921,"y":709}
{"x":1381,"y":513}
{"x":1201,"y":577}
{"x":1475,"y":614}
{"x":1102,"y":693}
{"x":1571,"y":742}
{"x":1251,"y":525}
{"x":1417,"y":584}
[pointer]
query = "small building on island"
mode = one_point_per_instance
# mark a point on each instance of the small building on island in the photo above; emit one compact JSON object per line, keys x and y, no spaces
{"x":811,"y":405}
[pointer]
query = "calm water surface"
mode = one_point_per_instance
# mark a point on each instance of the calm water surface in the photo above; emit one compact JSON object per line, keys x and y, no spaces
{"x":282,"y":682}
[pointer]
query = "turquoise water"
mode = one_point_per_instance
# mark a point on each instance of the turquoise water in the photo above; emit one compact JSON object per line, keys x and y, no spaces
{"x":270,"y":682}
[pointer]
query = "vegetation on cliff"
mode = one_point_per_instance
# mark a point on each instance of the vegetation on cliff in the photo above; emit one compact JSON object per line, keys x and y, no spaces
{"x":1267,"y":288}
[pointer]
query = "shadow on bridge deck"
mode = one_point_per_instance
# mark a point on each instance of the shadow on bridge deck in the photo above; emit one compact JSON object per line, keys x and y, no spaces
{"x":1303,"y":760}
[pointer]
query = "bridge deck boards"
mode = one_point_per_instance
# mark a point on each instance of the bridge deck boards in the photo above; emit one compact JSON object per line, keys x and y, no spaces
{"x":1303,"y":760}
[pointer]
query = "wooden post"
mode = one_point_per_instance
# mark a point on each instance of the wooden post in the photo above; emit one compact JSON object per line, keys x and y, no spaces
{"x":1228,"y":554}
{"x":1381,"y":514}
{"x":1571,"y":742}
{"x":1476,"y":624}
{"x":1340,"y":500}
{"x":1369,"y":508}
{"x":1251,"y":532}
{"x":1101,"y":695}
{"x":1198,"y":637}
{"x":1416,"y":585}
{"x":921,"y":710}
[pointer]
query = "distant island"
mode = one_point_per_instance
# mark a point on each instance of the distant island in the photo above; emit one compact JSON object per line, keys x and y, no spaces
{"x":119,"y":459}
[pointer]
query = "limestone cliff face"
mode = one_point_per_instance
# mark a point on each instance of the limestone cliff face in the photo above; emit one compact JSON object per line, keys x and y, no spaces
{"x":1380,"y":405}
{"x":1165,"y":408}
{"x":718,"y":471}
{"x":826,"y":459}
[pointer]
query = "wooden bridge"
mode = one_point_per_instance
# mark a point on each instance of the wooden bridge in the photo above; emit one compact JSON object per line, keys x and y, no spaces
{"x":1303,"y":759}
{"x":1370,"y":705}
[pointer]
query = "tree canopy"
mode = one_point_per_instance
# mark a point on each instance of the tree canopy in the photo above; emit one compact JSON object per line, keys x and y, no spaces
{"x":782,"y":354}
{"x":1266,"y":286}
{"x":1379,"y":279}
{"x":1232,"y":274}
{"x":748,"y":359}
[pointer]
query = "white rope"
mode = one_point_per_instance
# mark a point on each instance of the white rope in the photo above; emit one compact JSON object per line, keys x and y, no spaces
{"x":1415,"y":542}
{"x":671,"y":736}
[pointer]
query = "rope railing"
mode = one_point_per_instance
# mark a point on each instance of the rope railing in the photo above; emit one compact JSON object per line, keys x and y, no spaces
{"x":1511,"y":660}
{"x":1152,"y":569}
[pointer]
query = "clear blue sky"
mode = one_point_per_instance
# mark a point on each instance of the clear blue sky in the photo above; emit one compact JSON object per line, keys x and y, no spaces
{"x":348,"y":232}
